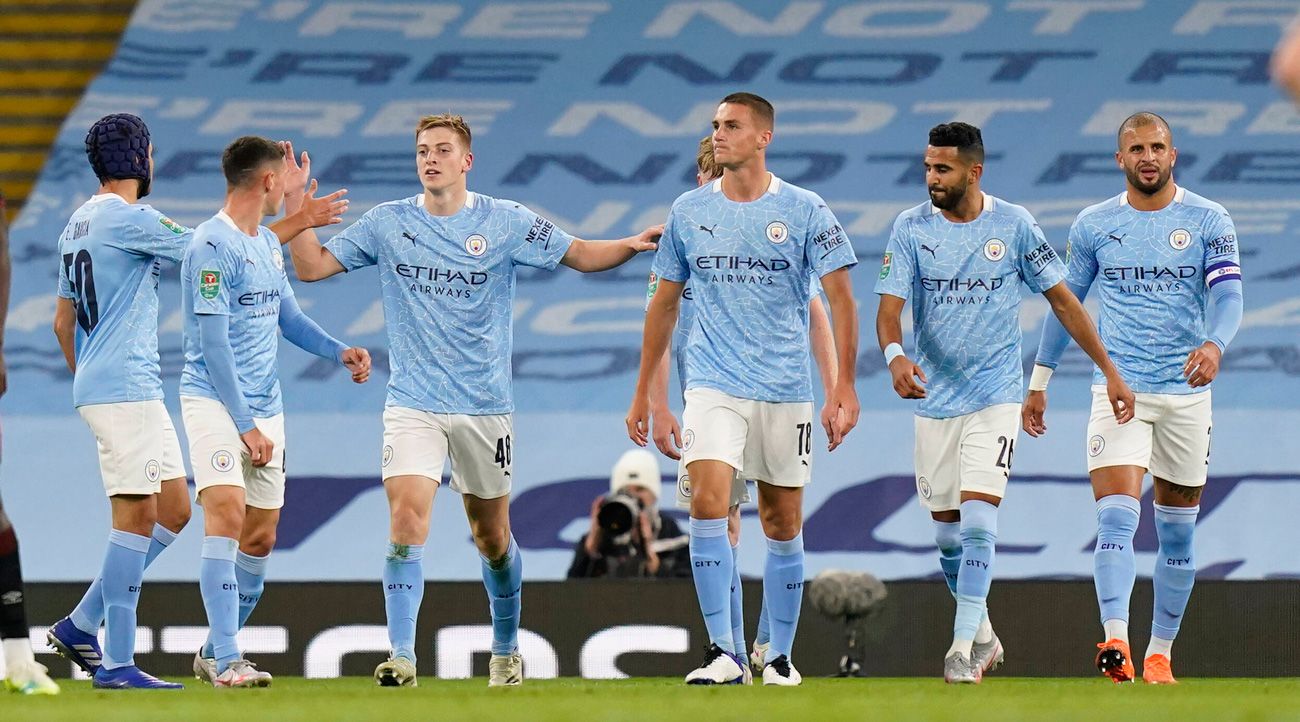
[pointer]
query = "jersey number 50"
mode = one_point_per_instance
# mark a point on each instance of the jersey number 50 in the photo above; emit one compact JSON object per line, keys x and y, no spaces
{"x":81,"y":277}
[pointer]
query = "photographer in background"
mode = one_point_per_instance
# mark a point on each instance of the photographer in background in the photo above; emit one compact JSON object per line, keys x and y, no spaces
{"x":624,"y":519}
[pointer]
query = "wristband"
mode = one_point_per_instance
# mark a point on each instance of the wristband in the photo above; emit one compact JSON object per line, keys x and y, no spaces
{"x":1039,"y":378}
{"x":893,"y":351}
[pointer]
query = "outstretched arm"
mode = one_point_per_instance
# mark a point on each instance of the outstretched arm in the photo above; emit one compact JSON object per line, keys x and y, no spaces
{"x":306,"y":334}
{"x":592,"y":256}
{"x":1078,"y":323}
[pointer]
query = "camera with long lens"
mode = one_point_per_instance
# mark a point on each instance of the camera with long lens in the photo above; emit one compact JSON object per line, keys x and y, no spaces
{"x":618,"y":515}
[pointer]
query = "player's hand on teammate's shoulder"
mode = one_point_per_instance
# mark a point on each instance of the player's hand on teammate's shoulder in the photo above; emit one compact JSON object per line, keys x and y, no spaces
{"x":357,"y":360}
{"x":905,"y":374}
{"x":1121,"y":399}
{"x":259,"y":446}
{"x":1202,"y":365}
{"x":647,"y":240}
{"x":1032,"y":413}
{"x":667,"y":433}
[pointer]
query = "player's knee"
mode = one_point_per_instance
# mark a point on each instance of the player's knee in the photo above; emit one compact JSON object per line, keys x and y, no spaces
{"x":259,"y":543}
{"x":408,"y":524}
{"x":492,"y":543}
{"x":174,"y":518}
{"x":780,"y":523}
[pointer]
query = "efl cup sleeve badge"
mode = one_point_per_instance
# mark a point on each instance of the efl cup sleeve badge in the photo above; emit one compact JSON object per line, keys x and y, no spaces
{"x":1180,"y":239}
{"x":171,"y":225}
{"x":995,"y":250}
{"x":777,"y":232}
{"x":886,"y":266}
{"x":209,"y":283}
{"x":476,"y":245}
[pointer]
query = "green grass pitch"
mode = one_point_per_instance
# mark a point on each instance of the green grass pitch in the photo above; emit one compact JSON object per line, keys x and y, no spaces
{"x":1000,"y":699}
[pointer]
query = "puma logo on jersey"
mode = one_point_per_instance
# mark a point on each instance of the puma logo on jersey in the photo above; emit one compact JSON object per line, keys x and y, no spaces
{"x":931,"y":250}
{"x":1117,"y":239}
{"x":708,"y":230}
{"x":408,"y":237}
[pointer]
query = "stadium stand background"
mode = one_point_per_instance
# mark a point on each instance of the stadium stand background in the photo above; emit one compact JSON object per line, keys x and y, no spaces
{"x":589,"y":113}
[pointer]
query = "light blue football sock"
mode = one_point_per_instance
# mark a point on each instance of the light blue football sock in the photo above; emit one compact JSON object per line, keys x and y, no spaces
{"x":711,"y":566}
{"x":764,"y":633}
{"x":783,"y":592}
{"x":250,"y":576}
{"x":89,"y":612}
{"x":737,"y":603}
{"x":504,"y":579}
{"x":220,"y":590}
{"x":947,"y":536}
{"x":1175,"y":571}
{"x":979,"y":533}
{"x":123,"y":574}
{"x":403,"y":592}
{"x":1114,"y":563}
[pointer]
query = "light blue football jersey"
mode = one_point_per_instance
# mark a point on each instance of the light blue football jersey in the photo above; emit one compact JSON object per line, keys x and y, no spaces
{"x":1153,"y":271}
{"x":228,"y":272}
{"x":686,"y":321}
{"x":110,"y":256}
{"x":448,"y":286}
{"x":965,"y":282}
{"x":747,"y":265}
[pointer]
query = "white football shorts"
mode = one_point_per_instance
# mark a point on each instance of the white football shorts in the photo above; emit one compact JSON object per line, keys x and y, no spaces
{"x":1169,"y":435}
{"x":969,"y":453}
{"x":417,"y":443}
{"x":219,"y":457}
{"x":762,"y":440}
{"x":138,"y":448}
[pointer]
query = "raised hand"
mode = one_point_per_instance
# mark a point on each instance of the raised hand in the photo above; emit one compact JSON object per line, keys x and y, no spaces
{"x":326,"y":210}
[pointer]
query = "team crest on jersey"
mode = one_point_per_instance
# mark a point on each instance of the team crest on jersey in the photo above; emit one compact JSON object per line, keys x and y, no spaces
{"x":152,"y":471}
{"x":995,"y":250}
{"x":277,"y":259}
{"x":886,"y":265}
{"x":476,"y":245}
{"x":1096,"y":444}
{"x":223,"y":460}
{"x":209,"y":283}
{"x":1180,"y":239}
{"x":171,"y":225}
{"x":688,"y":439}
{"x":684,"y":486}
{"x":388,"y":454}
{"x":777,"y":232}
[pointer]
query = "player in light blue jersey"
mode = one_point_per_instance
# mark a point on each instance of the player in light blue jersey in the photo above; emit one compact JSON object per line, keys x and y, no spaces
{"x":447,"y":260}
{"x":747,"y":243}
{"x":106,"y":319}
{"x":964,"y":260}
{"x":666,"y":432}
{"x":235,"y":298}
{"x":1158,"y":255}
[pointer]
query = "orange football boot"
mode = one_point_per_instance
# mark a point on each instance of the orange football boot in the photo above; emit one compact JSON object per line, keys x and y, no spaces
{"x":1115,"y":661}
{"x":1155,"y":670}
